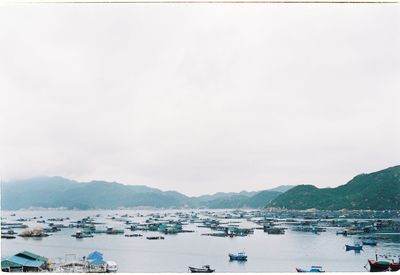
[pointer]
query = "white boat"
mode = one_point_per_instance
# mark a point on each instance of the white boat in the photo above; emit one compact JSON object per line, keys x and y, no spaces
{"x":111,"y":266}
{"x":203,"y":269}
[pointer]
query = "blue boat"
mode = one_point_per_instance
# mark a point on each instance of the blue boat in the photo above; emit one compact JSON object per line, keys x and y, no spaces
{"x":241,"y":256}
{"x":370,"y":242}
{"x":356,"y":247}
{"x":314,"y":269}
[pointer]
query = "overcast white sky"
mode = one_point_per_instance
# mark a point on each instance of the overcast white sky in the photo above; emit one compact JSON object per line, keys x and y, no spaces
{"x":200,"y":98}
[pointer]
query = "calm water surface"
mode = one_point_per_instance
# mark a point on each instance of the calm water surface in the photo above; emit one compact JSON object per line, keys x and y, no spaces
{"x":266,"y":253}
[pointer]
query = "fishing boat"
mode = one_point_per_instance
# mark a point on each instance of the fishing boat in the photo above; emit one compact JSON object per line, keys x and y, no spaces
{"x":111,"y":267}
{"x":356,"y":247}
{"x":241,"y":256}
{"x":155,"y":238}
{"x":203,"y":269}
{"x":221,"y":234}
{"x":383,"y":265}
{"x":133,"y":235}
{"x":3,"y":236}
{"x":313,"y":269}
{"x":80,"y":235}
{"x":275,"y":231}
{"x":370,"y":242}
{"x":341,"y":232}
{"x":114,"y":231}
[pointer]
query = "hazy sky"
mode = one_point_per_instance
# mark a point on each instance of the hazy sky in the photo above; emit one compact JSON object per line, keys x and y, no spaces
{"x":200,"y":98}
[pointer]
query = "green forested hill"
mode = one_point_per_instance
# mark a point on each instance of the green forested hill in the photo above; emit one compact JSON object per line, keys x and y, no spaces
{"x":379,"y":191}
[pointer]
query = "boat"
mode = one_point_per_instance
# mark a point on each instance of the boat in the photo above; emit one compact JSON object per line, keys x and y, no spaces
{"x":222,"y":234}
{"x":356,"y":247}
{"x":70,"y":267}
{"x":370,"y":242}
{"x":111,"y":267}
{"x":80,"y":235}
{"x":341,"y":232}
{"x":3,"y":236}
{"x":275,"y":230}
{"x":383,"y":265}
{"x":113,"y":231}
{"x":241,"y":256}
{"x":155,"y":238}
{"x":203,"y":269}
{"x":133,"y":235}
{"x":313,"y":269}
{"x":9,"y":232}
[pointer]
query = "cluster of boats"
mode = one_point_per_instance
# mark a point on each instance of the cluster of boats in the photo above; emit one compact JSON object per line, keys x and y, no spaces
{"x":230,"y":223}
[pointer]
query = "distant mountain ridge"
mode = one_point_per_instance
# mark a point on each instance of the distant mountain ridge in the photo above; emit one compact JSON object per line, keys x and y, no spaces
{"x":375,"y":191}
{"x":56,"y":192}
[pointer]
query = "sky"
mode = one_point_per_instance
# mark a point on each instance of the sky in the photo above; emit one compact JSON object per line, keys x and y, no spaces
{"x":199,"y":98}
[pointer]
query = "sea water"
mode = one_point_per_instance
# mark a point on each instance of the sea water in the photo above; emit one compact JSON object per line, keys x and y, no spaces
{"x":266,"y":253}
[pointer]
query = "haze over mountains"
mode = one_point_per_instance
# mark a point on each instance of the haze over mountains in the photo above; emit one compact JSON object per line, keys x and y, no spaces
{"x":55,"y":192}
{"x":379,"y":190}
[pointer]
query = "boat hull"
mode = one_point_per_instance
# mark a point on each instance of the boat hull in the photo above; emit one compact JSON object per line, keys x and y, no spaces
{"x":352,"y":247}
{"x":370,"y":243}
{"x":239,"y":258}
{"x":300,"y":270}
{"x":200,"y":270}
{"x":380,"y":266}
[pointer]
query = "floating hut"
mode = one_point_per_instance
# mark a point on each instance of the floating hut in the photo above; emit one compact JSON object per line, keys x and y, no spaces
{"x":24,"y":262}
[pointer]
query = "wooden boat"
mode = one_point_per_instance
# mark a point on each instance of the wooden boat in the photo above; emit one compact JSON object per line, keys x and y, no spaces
{"x":241,"y":256}
{"x":370,"y":242}
{"x":203,"y":269}
{"x":155,"y":238}
{"x":133,"y":235}
{"x":379,"y":266}
{"x":383,"y":265}
{"x":313,"y":269}
{"x":222,"y":234}
{"x":3,"y":236}
{"x":356,"y":247}
{"x":81,"y":235}
{"x":341,"y":232}
{"x":113,"y":231}
{"x":275,"y":231}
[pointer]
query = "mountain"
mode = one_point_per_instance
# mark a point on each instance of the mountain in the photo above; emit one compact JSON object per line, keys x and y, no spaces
{"x":282,"y":188}
{"x":220,"y":195}
{"x":55,"y":192}
{"x":262,"y":198}
{"x":378,"y":191}
{"x":241,"y":200}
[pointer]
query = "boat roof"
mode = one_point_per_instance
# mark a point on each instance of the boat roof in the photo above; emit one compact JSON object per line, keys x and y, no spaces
{"x":95,"y":255}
